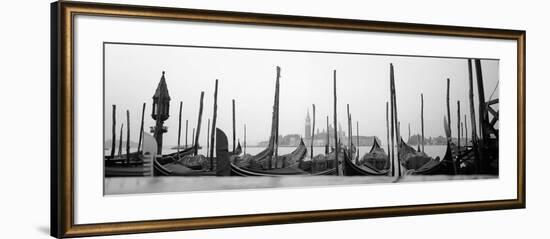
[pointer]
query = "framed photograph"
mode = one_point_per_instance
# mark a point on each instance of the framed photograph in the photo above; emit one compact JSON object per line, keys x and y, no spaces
{"x":173,"y":119}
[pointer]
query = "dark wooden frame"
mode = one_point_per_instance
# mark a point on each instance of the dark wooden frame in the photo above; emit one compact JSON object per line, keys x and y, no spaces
{"x":62,"y":126}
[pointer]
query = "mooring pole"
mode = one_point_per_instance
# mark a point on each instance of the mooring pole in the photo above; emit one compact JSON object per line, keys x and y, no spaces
{"x":120,"y":140}
{"x":113,"y":140}
{"x":450,"y":139}
{"x":397,"y":126}
{"x":327,"y":145}
{"x":141,"y":128}
{"x":483,"y":136}
{"x":234,"y":133}
{"x":357,"y":142}
{"x":214,"y":118}
{"x":244,"y":139}
{"x":186,"y":127}
{"x":199,"y":121}
{"x":179,"y":129}
{"x":422,"y":119}
{"x":389,"y":161}
{"x":336,"y":148}
{"x":208,"y":139}
{"x":127,"y":136}
{"x":394,"y":164}
{"x":465,"y":130}
{"x":193,"y":138}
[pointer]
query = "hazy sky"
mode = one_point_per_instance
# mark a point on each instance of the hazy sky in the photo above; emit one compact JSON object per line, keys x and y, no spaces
{"x":132,"y":73}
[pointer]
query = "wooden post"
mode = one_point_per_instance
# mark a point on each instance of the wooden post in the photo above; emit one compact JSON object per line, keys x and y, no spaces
{"x":186,"y":127}
{"x":483,"y":137}
{"x":127,"y":136}
{"x":394,"y":165}
{"x":141,"y":128}
{"x":458,"y":126}
{"x":113,"y":140}
{"x":336,"y":148}
{"x":208,"y":139}
{"x":244,"y":139}
{"x":465,"y":130}
{"x":450,"y":139}
{"x":197,"y":134}
{"x":422,"y":119}
{"x":462,"y":132}
{"x":449,"y":109}
{"x":472,"y":108}
{"x":274,"y":123}
{"x":388,"y":139}
{"x":397,"y":133}
{"x":357,"y":142}
{"x":234,"y":133}
{"x":213,"y":135}
{"x":179,"y":126}
{"x":349,"y":129}
{"x":409,"y":138}
{"x":193,"y":138}
{"x":327,"y":145}
{"x":120,"y":141}
{"x":312,"y":135}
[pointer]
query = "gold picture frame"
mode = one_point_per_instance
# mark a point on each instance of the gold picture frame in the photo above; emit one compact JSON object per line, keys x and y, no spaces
{"x":62,"y":118}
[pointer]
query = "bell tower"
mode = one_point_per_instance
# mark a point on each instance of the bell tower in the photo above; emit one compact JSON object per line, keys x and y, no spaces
{"x":308,"y":126}
{"x":160,"y":113}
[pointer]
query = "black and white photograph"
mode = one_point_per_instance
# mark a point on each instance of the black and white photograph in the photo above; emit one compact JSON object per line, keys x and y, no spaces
{"x":181,"y":118}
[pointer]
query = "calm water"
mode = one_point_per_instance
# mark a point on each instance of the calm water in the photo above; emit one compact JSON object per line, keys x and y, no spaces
{"x":431,"y":150}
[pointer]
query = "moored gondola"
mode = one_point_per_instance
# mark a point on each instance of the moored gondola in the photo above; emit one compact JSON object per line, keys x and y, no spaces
{"x":376,"y":158}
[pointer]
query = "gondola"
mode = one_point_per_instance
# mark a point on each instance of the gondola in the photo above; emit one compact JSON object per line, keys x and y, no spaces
{"x":118,"y":167}
{"x":438,"y":167}
{"x":376,"y":158}
{"x":410,"y":158}
{"x":352,"y":169}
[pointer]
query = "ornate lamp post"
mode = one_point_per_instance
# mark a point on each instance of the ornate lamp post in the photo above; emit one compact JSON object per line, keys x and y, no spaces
{"x":161,"y":109}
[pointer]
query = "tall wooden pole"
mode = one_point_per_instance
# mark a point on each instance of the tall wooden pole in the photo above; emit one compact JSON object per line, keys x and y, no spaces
{"x":141,"y":127}
{"x":472,"y":107}
{"x":127,"y":136}
{"x":483,"y":116}
{"x":273,"y":140}
{"x":208,"y":139}
{"x":234,"y":133}
{"x":388,"y":139}
{"x":214,"y":118}
{"x":327,"y":145}
{"x":357,"y":143}
{"x":450,"y":139}
{"x":337,"y":147}
{"x":193,"y":138}
{"x":465,"y":130}
{"x":199,"y":121}
{"x":422,"y":119}
{"x":113,"y":140}
{"x":179,"y":129}
{"x":409,"y":138}
{"x":120,"y":140}
{"x":449,"y":109}
{"x":244,"y":139}
{"x":186,"y":128}
{"x":349,"y":129}
{"x":397,"y":126}
{"x":313,"y":133}
{"x":392,"y":130}
{"x":458,"y":127}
